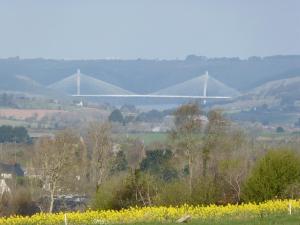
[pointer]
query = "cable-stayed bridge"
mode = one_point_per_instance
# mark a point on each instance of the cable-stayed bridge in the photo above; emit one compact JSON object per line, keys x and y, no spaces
{"x":173,"y":96}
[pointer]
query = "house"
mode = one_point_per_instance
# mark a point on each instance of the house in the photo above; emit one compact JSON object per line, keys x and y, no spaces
{"x":4,"y":187}
{"x":8,"y":171}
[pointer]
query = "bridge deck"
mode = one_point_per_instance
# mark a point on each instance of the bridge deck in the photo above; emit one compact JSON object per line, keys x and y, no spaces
{"x":157,"y":96}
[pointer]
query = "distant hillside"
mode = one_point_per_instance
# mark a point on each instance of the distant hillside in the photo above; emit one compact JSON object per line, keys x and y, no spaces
{"x":25,"y":85}
{"x":195,"y":86}
{"x":288,"y":89}
{"x":89,"y":85}
{"x":147,"y":76}
{"x":289,"y":73}
{"x":281,"y":94}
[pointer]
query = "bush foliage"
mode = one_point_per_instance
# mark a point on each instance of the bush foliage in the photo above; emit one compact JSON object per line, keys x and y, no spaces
{"x":272,"y":175}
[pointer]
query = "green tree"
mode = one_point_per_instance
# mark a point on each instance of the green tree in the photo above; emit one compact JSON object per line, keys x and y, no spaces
{"x":279,"y":130}
{"x":158,"y":163}
{"x":13,"y":134}
{"x":116,"y":116}
{"x":119,"y":163}
{"x":271,"y":176}
{"x":21,"y":134}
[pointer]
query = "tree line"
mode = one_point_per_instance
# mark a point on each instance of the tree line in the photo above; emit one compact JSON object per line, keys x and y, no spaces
{"x":13,"y":134}
{"x":206,"y":160}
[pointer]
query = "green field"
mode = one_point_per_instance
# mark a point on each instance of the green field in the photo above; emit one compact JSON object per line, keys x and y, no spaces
{"x":150,"y":137}
{"x":270,"y":220}
{"x":13,"y":122}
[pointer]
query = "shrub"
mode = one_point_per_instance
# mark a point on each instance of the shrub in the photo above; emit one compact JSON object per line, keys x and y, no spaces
{"x":207,"y":191}
{"x":173,"y":193}
{"x":106,"y":194}
{"x":23,"y":204}
{"x":20,"y":203}
{"x":292,"y":191}
{"x":272,"y":175}
{"x":6,"y":208}
{"x":136,"y":189}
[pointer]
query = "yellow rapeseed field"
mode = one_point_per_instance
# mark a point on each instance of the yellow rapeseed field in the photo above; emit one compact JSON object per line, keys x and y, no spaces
{"x":157,"y":214}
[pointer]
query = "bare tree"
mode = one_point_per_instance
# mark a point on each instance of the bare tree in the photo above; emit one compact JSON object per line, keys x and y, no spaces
{"x":185,"y":135}
{"x":215,"y":138}
{"x":134,"y":150}
{"x":54,"y":161}
{"x":100,"y":145}
{"x":233,"y":173}
{"x":223,"y":153}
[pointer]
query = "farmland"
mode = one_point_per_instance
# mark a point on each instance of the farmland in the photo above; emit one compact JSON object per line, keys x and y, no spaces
{"x":22,"y":114}
{"x":49,"y":120}
{"x":150,"y":137}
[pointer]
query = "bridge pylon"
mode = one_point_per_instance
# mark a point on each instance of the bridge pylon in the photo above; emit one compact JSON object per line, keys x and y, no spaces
{"x":78,"y":81}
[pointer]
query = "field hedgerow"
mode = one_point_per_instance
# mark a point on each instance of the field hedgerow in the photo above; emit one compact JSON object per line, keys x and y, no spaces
{"x":158,"y":214}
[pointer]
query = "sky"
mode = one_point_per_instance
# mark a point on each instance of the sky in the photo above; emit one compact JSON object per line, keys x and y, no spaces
{"x":148,"y":29}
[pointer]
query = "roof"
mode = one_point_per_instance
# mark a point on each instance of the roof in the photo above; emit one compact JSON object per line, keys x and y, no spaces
{"x":14,"y":169}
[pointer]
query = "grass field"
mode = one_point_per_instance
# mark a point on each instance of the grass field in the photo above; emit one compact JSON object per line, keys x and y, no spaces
{"x":13,"y":122}
{"x":150,"y":137}
{"x":270,"y":220}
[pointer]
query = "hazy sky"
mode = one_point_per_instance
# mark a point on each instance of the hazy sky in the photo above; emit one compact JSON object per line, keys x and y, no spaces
{"x":165,"y":29}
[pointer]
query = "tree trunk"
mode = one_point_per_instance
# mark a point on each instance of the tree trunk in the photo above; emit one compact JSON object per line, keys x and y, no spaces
{"x":204,"y":162}
{"x":51,"y":201}
{"x":148,"y":195}
{"x":99,"y":181}
{"x":190,"y":174}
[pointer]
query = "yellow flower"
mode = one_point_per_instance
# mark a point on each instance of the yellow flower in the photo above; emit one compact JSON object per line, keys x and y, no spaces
{"x":159,"y":214}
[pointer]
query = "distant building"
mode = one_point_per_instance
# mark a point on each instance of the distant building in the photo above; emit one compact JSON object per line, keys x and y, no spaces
{"x":79,"y":104}
{"x":4,"y":187}
{"x":156,"y":129}
{"x":116,"y":148}
{"x":7,"y":171}
{"x":203,"y":119}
